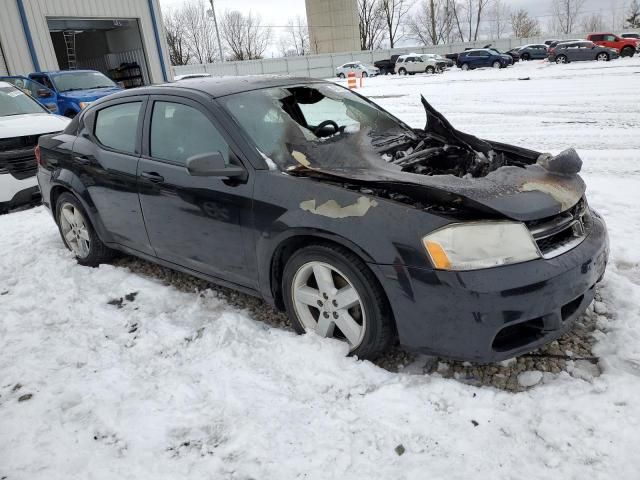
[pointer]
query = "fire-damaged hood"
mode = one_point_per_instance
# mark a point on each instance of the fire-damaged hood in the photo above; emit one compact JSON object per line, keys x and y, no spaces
{"x":445,"y":166}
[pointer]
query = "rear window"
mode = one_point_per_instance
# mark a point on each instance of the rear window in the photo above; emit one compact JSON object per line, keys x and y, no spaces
{"x":117,"y":126}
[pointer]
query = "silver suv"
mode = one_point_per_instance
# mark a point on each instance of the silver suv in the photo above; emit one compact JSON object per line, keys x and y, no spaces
{"x":414,"y":63}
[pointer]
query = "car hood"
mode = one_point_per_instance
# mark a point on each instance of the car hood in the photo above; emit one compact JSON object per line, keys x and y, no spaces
{"x":31,"y":124}
{"x":528,"y":186}
{"x":89,"y":95}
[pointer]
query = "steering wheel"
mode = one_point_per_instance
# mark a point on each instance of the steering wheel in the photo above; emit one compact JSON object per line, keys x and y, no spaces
{"x":324,"y":124}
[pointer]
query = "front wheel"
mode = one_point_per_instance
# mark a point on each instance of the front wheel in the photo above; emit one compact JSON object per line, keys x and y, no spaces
{"x":341,"y":75}
{"x":525,"y":57}
{"x":627,"y":52}
{"x":402,"y":71}
{"x":602,"y":57}
{"x":430,"y":70}
{"x":330,"y":291}
{"x":497,"y":64}
{"x":364,"y":75}
{"x":78,"y":234}
{"x":561,"y":59}
{"x":465,"y":66}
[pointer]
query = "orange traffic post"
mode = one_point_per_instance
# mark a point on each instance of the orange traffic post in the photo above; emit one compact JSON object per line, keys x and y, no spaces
{"x":351,"y":80}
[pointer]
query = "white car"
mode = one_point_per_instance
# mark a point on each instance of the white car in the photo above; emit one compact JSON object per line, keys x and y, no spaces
{"x":22,"y":121}
{"x":415,"y":63}
{"x":359,"y":68}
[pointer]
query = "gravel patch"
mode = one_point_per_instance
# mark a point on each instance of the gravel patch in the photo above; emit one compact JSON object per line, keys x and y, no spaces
{"x":571,"y":353}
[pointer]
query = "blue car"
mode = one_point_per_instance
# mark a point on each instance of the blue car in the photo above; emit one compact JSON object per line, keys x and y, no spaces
{"x":483,"y":57}
{"x":76,"y":89}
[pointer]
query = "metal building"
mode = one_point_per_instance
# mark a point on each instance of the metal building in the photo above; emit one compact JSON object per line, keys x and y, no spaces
{"x":333,"y":25}
{"x":122,"y":38}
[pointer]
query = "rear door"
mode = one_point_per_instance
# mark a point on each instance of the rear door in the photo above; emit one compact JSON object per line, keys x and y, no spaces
{"x":105,"y":156}
{"x":198,"y":222}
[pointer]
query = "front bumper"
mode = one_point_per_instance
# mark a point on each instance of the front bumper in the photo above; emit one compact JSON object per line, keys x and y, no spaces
{"x":15,"y":193}
{"x":493,"y":314}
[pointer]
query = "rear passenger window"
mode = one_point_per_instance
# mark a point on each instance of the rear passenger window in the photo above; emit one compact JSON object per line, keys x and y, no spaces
{"x":117,"y":126}
{"x":179,"y":132}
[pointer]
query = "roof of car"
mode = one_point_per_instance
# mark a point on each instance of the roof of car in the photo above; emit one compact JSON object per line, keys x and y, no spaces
{"x":65,"y":72}
{"x":222,"y":86}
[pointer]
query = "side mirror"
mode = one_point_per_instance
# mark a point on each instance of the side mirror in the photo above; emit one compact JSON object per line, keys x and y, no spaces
{"x":212,"y":164}
{"x":43,"y":93}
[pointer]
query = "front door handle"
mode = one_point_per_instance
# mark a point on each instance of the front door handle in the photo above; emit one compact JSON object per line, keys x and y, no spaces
{"x":82,"y":159}
{"x":152,"y":177}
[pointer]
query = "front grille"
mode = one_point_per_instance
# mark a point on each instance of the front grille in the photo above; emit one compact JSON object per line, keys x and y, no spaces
{"x":560,"y":233}
{"x":17,"y":156}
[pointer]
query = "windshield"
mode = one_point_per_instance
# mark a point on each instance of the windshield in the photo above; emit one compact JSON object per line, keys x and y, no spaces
{"x":321,"y":124}
{"x":14,"y":101}
{"x":68,"y":82}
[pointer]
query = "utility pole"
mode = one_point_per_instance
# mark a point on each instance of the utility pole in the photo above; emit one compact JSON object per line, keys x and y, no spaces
{"x":215,"y":23}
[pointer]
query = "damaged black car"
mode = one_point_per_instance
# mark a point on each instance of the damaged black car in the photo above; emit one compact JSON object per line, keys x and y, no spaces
{"x":325,"y":205}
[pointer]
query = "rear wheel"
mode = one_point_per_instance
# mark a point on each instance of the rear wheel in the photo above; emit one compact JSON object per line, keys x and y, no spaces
{"x":78,"y":234}
{"x":364,"y":75}
{"x":330,"y":291}
{"x":602,"y":57}
{"x":561,"y":59}
{"x":402,"y":71}
{"x":627,"y":52}
{"x":341,"y":75}
{"x":430,"y":69}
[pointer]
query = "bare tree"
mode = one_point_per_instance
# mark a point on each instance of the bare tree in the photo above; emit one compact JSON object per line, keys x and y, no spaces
{"x":295,"y":39}
{"x":592,"y":23}
{"x":524,"y":26}
{"x":243,"y":34}
{"x":199,"y":32}
{"x":372,"y":26}
{"x":499,"y":18}
{"x":393,"y":12}
{"x":566,"y":14}
{"x":174,"y":31}
{"x":456,"y":11}
{"x":433,"y":22}
{"x":633,"y":20}
{"x":472,"y":12}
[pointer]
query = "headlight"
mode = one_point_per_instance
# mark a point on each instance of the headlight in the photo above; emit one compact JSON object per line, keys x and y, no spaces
{"x":84,"y":105}
{"x":475,"y":245}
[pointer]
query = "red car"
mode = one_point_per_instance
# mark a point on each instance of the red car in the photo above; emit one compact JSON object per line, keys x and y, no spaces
{"x":626,"y":46}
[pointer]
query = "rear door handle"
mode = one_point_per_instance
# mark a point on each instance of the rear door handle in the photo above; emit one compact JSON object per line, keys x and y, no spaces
{"x":152,"y":177}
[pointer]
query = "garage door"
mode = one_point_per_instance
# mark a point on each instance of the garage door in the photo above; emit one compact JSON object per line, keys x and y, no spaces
{"x":3,"y":65}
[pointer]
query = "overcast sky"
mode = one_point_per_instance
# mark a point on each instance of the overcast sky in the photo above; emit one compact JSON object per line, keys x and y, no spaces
{"x":276,"y":12}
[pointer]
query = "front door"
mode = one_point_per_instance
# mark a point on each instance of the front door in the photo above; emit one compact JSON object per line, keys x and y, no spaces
{"x":199,"y":222}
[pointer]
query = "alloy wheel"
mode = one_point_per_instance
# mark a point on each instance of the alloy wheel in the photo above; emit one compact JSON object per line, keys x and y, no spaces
{"x":326,"y":302}
{"x":602,"y":57}
{"x":496,"y":65}
{"x":74,"y":230}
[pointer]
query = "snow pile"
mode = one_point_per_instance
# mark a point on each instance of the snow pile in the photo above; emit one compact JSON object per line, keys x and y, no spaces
{"x":133,"y":379}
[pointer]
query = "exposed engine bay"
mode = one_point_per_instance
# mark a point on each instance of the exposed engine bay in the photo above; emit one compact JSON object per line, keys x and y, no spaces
{"x":326,"y":132}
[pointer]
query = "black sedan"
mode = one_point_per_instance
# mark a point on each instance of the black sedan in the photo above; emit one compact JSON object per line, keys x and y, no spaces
{"x":314,"y":198}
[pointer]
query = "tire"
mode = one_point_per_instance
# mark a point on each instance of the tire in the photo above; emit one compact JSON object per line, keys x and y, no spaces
{"x":465,"y":66}
{"x":430,"y":70}
{"x":70,"y":114}
{"x":341,"y":75}
{"x":561,"y":59}
{"x":627,"y":52}
{"x":496,"y":64}
{"x":525,"y":57}
{"x":402,"y":71}
{"x":369,"y":318}
{"x":89,"y":249}
{"x":364,"y":75}
{"x":602,"y":57}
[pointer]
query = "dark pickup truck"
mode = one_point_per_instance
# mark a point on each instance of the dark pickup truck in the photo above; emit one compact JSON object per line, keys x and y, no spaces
{"x":387,"y":66}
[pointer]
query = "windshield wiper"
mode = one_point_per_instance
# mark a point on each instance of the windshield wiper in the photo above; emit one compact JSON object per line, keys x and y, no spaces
{"x":104,"y":86}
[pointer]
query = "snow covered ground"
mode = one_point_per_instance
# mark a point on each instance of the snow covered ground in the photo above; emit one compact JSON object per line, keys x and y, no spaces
{"x":167,"y":385}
